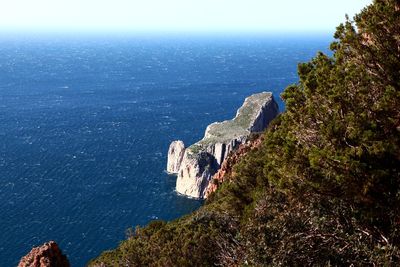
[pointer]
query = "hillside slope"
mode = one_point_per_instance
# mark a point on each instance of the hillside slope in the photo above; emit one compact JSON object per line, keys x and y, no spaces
{"x":324,"y":186}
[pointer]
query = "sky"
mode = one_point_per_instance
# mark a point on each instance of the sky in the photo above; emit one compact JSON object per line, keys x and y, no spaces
{"x":176,"y":15}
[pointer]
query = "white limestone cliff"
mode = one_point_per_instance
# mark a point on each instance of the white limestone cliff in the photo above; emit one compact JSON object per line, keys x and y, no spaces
{"x":175,"y":156}
{"x":202,"y":160}
{"x":195,"y":172}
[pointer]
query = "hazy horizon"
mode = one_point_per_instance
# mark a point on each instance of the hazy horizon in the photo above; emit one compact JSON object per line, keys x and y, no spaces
{"x":175,"y":16}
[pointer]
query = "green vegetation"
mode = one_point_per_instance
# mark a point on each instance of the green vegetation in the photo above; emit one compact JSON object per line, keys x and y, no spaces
{"x":226,"y":131}
{"x":324,"y":188}
{"x":239,"y":126}
{"x":195,"y":148}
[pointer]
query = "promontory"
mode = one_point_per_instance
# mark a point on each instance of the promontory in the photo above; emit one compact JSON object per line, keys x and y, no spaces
{"x":196,"y":164}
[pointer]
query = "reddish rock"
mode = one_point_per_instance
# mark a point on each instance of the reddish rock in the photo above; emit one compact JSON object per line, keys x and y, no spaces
{"x":226,"y":169}
{"x":47,"y":255}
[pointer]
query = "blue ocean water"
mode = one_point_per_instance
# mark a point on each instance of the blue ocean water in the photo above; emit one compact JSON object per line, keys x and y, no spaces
{"x":85,"y":124}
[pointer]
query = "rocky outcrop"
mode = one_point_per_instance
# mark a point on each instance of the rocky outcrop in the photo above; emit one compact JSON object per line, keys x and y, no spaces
{"x":195,"y":172}
{"x":202,"y":160}
{"x":226,"y":171}
{"x":175,"y":156}
{"x":47,"y":255}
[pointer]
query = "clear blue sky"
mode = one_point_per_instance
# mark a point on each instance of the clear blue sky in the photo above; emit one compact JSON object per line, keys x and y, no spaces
{"x":176,"y":15}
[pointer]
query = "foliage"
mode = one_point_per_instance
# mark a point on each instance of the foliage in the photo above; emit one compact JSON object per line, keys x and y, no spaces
{"x":324,"y":188}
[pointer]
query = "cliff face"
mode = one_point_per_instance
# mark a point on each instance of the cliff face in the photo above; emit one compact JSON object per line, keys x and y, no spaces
{"x":47,"y":255}
{"x":194,"y":174}
{"x":202,"y":160}
{"x":226,"y":170}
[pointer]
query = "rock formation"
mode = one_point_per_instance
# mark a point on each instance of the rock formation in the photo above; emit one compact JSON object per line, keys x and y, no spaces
{"x":47,"y":255}
{"x":175,"y":156}
{"x":195,"y":172}
{"x":225,"y":172}
{"x":202,"y":160}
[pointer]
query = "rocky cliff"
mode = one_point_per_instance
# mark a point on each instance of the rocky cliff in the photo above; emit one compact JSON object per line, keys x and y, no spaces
{"x":175,"y":156}
{"x":225,"y":172}
{"x":47,"y":255}
{"x":202,"y":160}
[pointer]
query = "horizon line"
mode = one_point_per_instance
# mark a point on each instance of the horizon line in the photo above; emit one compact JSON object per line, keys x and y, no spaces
{"x":164,"y":33}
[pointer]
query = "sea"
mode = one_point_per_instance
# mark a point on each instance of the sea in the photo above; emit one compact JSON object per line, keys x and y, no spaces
{"x":86,"y":122}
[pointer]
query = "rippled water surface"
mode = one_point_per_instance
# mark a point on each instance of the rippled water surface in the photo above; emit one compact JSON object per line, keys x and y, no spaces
{"x":85,"y":124}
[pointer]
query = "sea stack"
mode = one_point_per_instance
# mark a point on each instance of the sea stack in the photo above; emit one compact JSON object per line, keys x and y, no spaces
{"x":175,"y":156}
{"x":196,"y":164}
